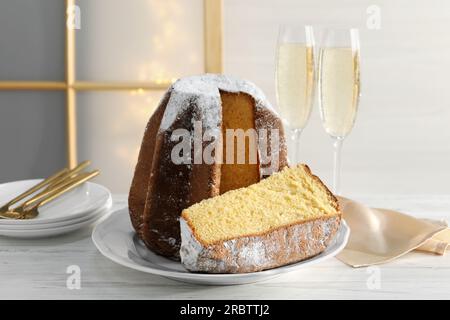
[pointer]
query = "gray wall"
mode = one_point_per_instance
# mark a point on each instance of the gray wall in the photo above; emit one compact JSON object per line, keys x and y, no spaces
{"x":31,"y":122}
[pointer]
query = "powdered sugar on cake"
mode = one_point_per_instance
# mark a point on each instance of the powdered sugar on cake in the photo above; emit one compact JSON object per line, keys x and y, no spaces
{"x":255,"y":253}
{"x":204,"y":90}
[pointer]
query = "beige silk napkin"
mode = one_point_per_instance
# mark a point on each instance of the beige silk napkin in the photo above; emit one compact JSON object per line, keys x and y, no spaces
{"x":381,"y":235}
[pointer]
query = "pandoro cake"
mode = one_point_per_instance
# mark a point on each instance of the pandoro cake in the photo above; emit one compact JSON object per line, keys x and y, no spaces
{"x":283,"y":219}
{"x":161,"y":188}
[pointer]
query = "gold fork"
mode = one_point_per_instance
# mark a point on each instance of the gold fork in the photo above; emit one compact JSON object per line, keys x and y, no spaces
{"x":54,"y":180}
{"x":5,"y":208}
{"x":31,"y":211}
{"x":69,"y":174}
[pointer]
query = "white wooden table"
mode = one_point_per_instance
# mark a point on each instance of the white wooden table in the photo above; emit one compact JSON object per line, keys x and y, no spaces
{"x":33,"y":269}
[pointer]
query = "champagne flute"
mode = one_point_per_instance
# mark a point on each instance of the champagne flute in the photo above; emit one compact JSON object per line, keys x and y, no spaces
{"x":295,"y":80}
{"x":339,"y":88}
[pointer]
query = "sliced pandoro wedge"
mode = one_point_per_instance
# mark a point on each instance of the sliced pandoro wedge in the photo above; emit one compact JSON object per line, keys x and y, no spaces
{"x":288,"y":217}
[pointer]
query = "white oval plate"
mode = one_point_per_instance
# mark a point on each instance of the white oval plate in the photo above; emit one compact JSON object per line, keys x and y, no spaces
{"x":74,"y":204}
{"x":51,"y":232}
{"x":115,"y":238}
{"x":27,"y":227}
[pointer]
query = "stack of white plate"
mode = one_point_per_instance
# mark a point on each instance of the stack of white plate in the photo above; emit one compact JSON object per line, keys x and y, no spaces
{"x":76,"y":209}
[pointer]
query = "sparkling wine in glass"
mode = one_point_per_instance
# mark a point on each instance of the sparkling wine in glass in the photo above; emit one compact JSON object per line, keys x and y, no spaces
{"x":339,"y":88}
{"x":295,"y":80}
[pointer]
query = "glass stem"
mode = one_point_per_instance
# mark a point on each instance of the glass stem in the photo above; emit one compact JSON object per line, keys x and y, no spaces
{"x":337,"y":144}
{"x":295,"y":137}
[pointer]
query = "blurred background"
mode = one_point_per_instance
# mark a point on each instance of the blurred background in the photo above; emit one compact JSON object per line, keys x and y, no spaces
{"x":401,"y":140}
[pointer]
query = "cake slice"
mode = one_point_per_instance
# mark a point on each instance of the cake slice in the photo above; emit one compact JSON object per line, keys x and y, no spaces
{"x":285,"y":218}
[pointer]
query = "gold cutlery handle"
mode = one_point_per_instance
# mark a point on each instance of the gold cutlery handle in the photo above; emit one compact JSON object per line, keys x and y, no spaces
{"x":60,"y":191}
{"x":38,"y":186}
{"x":58,"y":182}
{"x":70,"y":173}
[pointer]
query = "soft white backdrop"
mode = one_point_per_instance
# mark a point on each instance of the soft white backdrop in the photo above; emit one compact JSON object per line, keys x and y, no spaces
{"x":400,"y":143}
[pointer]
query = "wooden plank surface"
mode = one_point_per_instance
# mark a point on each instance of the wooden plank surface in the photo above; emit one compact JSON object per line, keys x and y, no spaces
{"x":33,"y":269}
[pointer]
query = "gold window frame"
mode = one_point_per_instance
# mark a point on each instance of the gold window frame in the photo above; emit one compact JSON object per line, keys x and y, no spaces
{"x":212,"y":17}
